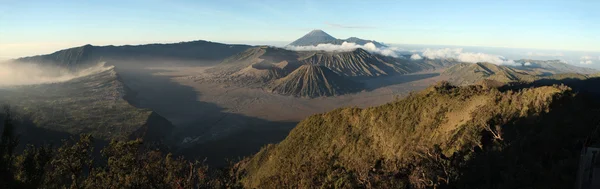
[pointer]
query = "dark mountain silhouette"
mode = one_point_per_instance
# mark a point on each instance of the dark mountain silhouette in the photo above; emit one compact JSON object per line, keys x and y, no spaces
{"x":316,"y":37}
{"x":313,"y":81}
{"x":202,"y":52}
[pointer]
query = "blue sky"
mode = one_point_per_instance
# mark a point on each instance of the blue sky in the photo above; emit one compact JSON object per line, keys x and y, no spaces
{"x":43,"y":26}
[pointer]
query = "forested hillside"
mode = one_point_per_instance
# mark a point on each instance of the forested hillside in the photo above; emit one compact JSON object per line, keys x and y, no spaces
{"x":465,"y":137}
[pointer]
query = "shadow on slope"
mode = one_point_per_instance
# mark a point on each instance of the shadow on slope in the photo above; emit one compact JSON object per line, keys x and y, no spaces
{"x":203,"y":130}
{"x":29,"y":133}
{"x":379,"y":82}
{"x":539,"y":151}
{"x":521,"y":137}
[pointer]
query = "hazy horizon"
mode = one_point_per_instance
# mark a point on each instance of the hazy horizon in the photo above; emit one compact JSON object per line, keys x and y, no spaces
{"x":516,"y":24}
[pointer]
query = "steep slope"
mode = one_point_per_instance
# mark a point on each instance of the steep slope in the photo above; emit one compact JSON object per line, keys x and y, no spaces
{"x":357,"y":63}
{"x":94,"y":104}
{"x":465,"y":137}
{"x":314,"y":37}
{"x":204,"y":52}
{"x":313,"y":81}
{"x":317,"y":37}
{"x":552,"y":66}
{"x":259,"y":58}
{"x":468,"y":73}
{"x":260,"y":66}
{"x":257,"y":66}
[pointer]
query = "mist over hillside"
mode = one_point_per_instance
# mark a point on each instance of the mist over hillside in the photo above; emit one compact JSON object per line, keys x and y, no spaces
{"x":15,"y":73}
{"x":94,"y":103}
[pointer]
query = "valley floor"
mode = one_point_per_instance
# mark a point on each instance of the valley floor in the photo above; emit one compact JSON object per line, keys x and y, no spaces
{"x":240,"y":119}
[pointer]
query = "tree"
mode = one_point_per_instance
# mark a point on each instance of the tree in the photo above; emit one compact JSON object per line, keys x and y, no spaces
{"x":71,"y":160}
{"x":31,"y":165}
{"x":8,"y":143}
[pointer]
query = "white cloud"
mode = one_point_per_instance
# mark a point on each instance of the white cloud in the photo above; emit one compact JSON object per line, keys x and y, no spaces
{"x":558,"y":54}
{"x":587,"y":59}
{"x":458,"y":54}
{"x":527,"y":64}
{"x":345,"y":46}
{"x":28,"y":74}
{"x":416,"y":57}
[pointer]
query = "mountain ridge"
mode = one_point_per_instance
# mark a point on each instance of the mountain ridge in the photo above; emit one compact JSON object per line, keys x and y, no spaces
{"x":553,"y":66}
{"x":98,"y":104}
{"x":471,"y":73}
{"x":448,"y":132}
{"x":82,"y":56}
{"x":316,"y":37}
{"x":311,"y":81}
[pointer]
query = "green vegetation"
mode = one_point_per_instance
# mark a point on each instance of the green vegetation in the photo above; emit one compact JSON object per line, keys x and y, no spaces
{"x":122,"y":164}
{"x":92,"y":104}
{"x":445,"y":136}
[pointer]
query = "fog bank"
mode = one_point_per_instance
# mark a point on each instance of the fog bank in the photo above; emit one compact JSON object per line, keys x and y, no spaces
{"x":13,"y":73}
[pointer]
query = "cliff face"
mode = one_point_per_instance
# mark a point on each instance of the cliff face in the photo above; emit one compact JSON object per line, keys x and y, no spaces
{"x":94,"y":104}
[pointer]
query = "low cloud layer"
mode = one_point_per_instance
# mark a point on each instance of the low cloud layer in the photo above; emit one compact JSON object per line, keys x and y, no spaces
{"x":27,"y":74}
{"x":459,"y":55}
{"x":559,"y":54}
{"x":416,"y":57}
{"x":344,"y":47}
{"x":588,"y":59}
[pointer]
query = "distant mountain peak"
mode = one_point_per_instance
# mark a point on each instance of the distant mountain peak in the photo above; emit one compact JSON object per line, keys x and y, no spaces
{"x":314,"y":37}
{"x":317,"y":36}
{"x":318,"y":32}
